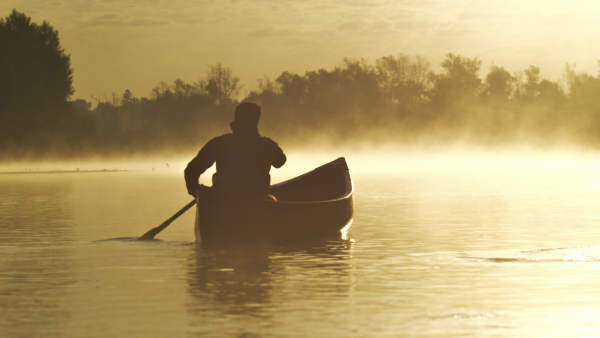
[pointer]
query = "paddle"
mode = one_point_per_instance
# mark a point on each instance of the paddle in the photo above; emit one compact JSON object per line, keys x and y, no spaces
{"x":154,"y":231}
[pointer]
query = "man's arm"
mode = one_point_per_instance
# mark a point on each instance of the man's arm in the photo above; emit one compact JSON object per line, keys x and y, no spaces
{"x":204,"y":160}
{"x":277,"y":156}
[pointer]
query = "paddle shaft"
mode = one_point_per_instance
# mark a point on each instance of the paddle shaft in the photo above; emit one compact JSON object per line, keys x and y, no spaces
{"x":154,"y":231}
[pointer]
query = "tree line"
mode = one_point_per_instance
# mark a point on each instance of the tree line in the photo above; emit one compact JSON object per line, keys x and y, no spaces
{"x":395,"y":99}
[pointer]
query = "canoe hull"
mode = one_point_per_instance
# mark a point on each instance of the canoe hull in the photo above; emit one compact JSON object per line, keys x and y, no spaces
{"x":295,"y":217}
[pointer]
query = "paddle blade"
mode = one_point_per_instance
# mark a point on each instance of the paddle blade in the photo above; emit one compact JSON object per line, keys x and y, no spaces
{"x":154,"y":231}
{"x":149,"y":234}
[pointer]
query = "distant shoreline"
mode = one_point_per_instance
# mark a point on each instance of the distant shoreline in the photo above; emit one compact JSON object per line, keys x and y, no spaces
{"x":73,"y":171}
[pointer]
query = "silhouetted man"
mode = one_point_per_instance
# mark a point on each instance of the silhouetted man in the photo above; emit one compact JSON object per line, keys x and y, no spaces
{"x":244,"y":159}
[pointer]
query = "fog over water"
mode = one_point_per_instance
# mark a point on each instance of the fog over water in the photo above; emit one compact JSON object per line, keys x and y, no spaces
{"x":367,"y":160}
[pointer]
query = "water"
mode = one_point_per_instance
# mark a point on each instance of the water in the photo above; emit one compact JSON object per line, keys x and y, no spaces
{"x":449,"y":253}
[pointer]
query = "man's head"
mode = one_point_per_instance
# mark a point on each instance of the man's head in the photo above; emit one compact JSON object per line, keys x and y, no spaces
{"x":246,"y":119}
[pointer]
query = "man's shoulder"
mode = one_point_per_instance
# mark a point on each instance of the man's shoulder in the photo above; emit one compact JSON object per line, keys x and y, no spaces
{"x":266,"y":139}
{"x":220,"y":138}
{"x":268,"y":142}
{"x":216,"y":142}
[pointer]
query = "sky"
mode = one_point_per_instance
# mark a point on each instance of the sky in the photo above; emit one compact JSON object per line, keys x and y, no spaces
{"x":135,"y":44}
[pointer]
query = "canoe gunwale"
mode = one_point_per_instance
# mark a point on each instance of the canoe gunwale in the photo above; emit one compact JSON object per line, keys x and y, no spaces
{"x":347,"y":195}
{"x":349,"y":191}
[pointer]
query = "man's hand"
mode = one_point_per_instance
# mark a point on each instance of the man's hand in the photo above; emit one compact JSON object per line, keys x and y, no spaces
{"x":197,"y":189}
{"x":192,"y":189}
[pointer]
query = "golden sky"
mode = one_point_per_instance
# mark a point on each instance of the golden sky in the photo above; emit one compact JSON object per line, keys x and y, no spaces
{"x":119,"y":44}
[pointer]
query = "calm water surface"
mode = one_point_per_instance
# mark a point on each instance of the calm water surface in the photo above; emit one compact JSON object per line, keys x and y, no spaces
{"x":463,"y":253}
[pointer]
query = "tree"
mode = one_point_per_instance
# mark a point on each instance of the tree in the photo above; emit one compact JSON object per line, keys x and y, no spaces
{"x":529,"y":89}
{"x":460,"y":82}
{"x":499,"y":84}
{"x":35,"y":81}
{"x":403,"y":79}
{"x":220,"y":84}
{"x":36,"y":72}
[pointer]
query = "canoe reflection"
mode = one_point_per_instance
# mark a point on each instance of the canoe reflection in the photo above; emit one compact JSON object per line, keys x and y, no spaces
{"x":252,"y":279}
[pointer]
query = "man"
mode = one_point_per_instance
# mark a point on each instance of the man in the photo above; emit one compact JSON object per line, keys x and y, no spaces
{"x":244,"y":159}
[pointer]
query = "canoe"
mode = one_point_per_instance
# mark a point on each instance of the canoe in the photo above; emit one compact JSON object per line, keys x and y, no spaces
{"x":316,"y":204}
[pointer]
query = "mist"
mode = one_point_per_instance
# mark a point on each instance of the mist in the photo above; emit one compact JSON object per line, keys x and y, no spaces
{"x":398,"y":102}
{"x":395,"y":100}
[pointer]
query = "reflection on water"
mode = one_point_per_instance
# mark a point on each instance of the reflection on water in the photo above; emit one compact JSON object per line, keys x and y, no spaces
{"x":254,"y":284}
{"x":544,"y":255}
{"x":33,"y":212}
{"x":431,"y":254}
{"x":32,"y":217}
{"x":237,"y":278}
